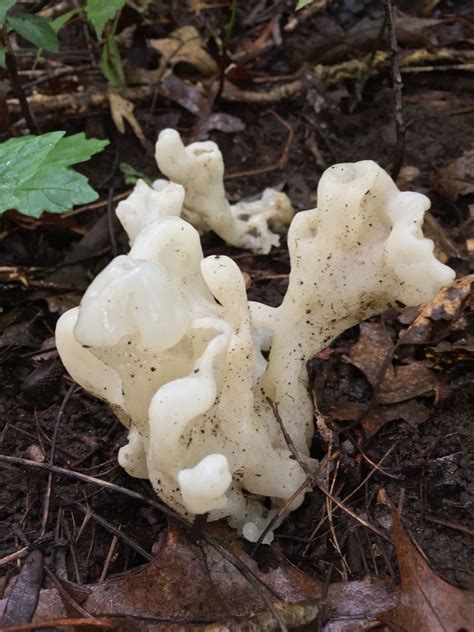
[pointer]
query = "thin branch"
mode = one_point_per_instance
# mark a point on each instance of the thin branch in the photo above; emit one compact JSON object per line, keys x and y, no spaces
{"x":315,"y":481}
{"x":12,"y":69}
{"x":116,"y":532}
{"x":52,"y":457}
{"x":397,"y":89}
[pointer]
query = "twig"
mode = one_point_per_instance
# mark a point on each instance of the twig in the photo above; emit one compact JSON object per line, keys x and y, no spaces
{"x":96,"y":205}
{"x":329,"y":510}
{"x":324,"y":596}
{"x":11,"y":557}
{"x":451,"y":525}
{"x":108,"y":559}
{"x":53,"y":456}
{"x":315,"y":481}
{"x":66,"y":596}
{"x":271,"y":524}
{"x":371,"y":473}
{"x":70,"y":540}
{"x":302,"y":16}
{"x":93,"y":622}
{"x":12,"y":68}
{"x":397,"y":89}
{"x":199,"y":522}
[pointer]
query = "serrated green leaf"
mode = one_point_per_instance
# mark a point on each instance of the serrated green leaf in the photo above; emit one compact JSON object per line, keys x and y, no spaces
{"x":302,"y":3}
{"x":35,"y":174}
{"x":99,"y":12}
{"x":73,"y":149}
{"x":4,"y":6}
{"x":55,"y":190}
{"x":20,"y":157}
{"x":36,"y":30}
{"x":2,"y":57}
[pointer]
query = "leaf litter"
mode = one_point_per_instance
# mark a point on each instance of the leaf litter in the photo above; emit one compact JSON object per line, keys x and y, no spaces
{"x":427,"y":602}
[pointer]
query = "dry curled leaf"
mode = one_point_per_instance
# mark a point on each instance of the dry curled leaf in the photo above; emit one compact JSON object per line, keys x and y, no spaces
{"x":190,"y":584}
{"x":373,"y":418}
{"x":372,"y":355}
{"x":430,"y":320}
{"x":186,"y":45}
{"x":457,"y":178}
{"x":183,"y":93}
{"x":121,"y":110}
{"x":21,"y":604}
{"x":427,"y":602}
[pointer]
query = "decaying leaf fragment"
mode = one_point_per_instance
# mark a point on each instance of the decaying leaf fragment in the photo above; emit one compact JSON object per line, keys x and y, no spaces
{"x":186,"y":45}
{"x":427,"y":602}
{"x":432,"y":319}
{"x":457,"y":178}
{"x":392,"y":383}
{"x":121,"y":110}
{"x":21,"y":603}
{"x":374,"y":418}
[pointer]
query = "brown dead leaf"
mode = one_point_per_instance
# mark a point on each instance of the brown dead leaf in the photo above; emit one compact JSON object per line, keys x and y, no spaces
{"x":183,"y":93}
{"x":372,"y":355}
{"x":457,"y":178}
{"x":372,"y":419}
{"x":223,"y":122}
{"x":186,"y":45}
{"x":121,"y":110}
{"x":190,"y":584}
{"x":373,"y":348}
{"x":187,"y":583}
{"x":435,"y":317}
{"x":409,"y":381}
{"x":427,"y":602}
{"x":444,"y":247}
{"x":21,"y":604}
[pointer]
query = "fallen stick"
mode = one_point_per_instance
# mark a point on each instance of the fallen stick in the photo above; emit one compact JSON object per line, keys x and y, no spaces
{"x":80,"y":103}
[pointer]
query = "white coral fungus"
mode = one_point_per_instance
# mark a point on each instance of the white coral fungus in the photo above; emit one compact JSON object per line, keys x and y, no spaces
{"x":168,"y":338}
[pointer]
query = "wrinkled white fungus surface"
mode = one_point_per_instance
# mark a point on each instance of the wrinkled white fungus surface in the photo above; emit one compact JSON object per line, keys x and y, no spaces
{"x":169,"y":339}
{"x":196,"y":192}
{"x":199,"y":168}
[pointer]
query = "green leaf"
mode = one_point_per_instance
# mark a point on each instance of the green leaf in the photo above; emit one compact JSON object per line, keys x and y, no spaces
{"x":111,"y":63}
{"x":54,"y":190}
{"x":4,"y":6}
{"x":132,"y":175}
{"x":36,"y":30}
{"x":35,"y":174}
{"x":58,"y":23}
{"x":74,"y":149}
{"x":2,"y":57}
{"x":302,"y":3}
{"x":99,"y":12}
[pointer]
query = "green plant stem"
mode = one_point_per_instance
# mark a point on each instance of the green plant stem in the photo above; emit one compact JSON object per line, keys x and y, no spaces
{"x":231,"y":24}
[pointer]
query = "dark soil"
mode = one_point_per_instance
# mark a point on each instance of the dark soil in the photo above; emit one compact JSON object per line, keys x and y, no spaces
{"x":428,"y":472}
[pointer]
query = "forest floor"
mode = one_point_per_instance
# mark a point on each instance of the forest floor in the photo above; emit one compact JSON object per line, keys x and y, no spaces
{"x":413,"y":446}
